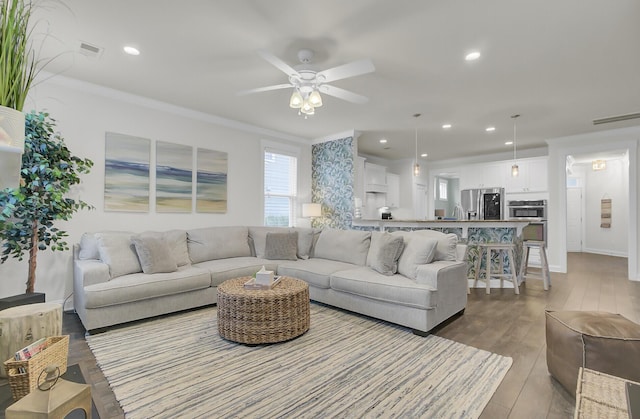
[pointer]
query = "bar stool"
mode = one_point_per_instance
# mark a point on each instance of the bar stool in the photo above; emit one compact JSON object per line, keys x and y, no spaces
{"x":544,"y":275}
{"x":501,"y":249}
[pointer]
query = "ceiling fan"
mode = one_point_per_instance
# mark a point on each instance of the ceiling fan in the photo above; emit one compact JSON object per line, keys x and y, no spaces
{"x":309,"y":83}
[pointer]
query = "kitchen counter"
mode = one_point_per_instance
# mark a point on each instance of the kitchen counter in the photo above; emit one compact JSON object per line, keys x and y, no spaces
{"x":460,"y":227}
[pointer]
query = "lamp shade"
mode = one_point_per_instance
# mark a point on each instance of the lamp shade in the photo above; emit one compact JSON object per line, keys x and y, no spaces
{"x":296,"y":100}
{"x":311,"y":210}
{"x":315,"y":99}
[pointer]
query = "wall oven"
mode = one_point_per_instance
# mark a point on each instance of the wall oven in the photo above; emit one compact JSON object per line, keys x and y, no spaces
{"x":536,"y":213}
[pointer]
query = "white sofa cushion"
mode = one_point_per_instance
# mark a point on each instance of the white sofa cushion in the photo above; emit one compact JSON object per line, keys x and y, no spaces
{"x":313,"y":271}
{"x":117,"y":251}
{"x":218,"y":243}
{"x":447,"y":242}
{"x":223,"y":269}
{"x":258,"y":236}
{"x":384,"y":251}
{"x":350,"y":246}
{"x":396,"y":289}
{"x":139,"y":286}
{"x":283,"y":246}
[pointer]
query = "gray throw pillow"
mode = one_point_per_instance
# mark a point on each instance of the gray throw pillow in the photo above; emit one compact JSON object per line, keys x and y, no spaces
{"x":154,"y":254}
{"x":283,"y":246}
{"x":384,"y":251}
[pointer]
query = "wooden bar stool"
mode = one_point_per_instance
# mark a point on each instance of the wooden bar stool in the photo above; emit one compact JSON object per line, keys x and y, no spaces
{"x":544,"y":275}
{"x":487,"y":250}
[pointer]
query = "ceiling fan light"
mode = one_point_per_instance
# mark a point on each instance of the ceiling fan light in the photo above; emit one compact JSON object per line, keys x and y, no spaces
{"x":307,"y":109}
{"x":315,"y":99}
{"x":296,"y":100}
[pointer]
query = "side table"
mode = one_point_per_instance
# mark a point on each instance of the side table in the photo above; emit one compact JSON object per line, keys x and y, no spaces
{"x":600,"y":396}
{"x":263,"y":316}
{"x":22,"y":325}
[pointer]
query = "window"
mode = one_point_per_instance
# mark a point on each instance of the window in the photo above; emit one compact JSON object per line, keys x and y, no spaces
{"x":280,"y":175}
{"x":442,"y":189}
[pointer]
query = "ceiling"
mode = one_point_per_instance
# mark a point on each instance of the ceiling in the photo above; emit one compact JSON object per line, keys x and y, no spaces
{"x":559,"y":64}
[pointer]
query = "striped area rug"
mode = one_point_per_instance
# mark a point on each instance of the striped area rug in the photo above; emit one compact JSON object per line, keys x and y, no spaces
{"x":345,"y":366}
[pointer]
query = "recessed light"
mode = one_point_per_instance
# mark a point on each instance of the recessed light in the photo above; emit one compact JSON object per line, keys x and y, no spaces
{"x":508,"y":143}
{"x":472,"y":56}
{"x":490,"y":129}
{"x":423,"y":155}
{"x":383,"y":141}
{"x":446,"y":126}
{"x":131,"y":50}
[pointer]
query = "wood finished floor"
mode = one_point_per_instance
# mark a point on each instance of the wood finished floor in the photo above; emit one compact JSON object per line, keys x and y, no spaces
{"x":501,"y":322}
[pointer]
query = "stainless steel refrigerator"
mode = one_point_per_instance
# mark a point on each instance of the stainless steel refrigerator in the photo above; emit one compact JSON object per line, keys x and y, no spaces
{"x":483,"y":204}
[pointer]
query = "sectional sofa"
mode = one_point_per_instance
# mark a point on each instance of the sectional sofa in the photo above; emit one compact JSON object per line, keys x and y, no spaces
{"x":414,"y":279}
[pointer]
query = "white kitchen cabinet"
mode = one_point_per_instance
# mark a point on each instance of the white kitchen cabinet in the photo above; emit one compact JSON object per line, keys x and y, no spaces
{"x":375,"y":178}
{"x":532,"y":176}
{"x":393,"y":190}
{"x":485,"y":175}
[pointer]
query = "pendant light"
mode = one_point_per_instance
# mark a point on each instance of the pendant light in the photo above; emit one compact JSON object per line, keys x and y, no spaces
{"x":416,"y":166}
{"x":515,"y":171}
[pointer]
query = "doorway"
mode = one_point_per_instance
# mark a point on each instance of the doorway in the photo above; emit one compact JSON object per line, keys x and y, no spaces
{"x":592,"y":180}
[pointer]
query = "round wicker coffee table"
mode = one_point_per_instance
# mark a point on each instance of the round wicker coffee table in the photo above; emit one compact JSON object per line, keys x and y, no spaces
{"x":263,"y":316}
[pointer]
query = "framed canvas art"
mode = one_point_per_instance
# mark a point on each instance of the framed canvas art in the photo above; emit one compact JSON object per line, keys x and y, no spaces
{"x":211,"y":181}
{"x":174,"y":169}
{"x":126,"y":173}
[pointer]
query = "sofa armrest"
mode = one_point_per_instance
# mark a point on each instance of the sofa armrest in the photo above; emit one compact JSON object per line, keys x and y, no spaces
{"x":441,"y":273}
{"x":89,"y":272}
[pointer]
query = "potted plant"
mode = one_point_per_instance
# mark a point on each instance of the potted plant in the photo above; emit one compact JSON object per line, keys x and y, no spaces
{"x":28,"y":213}
{"x":17,"y":72}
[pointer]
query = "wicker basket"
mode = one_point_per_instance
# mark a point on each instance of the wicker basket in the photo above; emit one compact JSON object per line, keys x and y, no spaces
{"x":55,"y":354}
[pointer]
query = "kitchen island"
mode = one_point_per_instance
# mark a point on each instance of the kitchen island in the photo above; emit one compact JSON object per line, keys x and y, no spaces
{"x":469,"y":232}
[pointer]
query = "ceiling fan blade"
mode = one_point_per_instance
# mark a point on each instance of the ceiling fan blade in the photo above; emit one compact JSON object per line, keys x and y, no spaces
{"x":352,"y":69}
{"x":278,"y":63}
{"x":263,"y":89}
{"x":343,"y":94}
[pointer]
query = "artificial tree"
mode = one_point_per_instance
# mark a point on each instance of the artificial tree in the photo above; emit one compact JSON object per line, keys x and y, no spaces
{"x":49,"y":170}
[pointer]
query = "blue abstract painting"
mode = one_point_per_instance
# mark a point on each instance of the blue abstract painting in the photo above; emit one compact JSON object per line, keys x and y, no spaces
{"x":211,"y":181}
{"x":126,"y":173}
{"x":174,"y":169}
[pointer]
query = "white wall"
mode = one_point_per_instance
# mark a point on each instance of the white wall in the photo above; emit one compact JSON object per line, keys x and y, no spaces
{"x":85,"y":112}
{"x":613,"y":183}
{"x":559,"y":149}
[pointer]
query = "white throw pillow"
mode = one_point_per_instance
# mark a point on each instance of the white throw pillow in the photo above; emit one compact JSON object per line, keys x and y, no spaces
{"x":89,"y":247}
{"x":447,"y":243}
{"x":417,"y":251}
{"x":117,"y":251}
{"x":384,"y":252}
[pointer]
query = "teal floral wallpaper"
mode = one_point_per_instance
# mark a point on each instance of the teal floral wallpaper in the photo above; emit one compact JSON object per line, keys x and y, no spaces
{"x":332,"y":178}
{"x":491,"y":235}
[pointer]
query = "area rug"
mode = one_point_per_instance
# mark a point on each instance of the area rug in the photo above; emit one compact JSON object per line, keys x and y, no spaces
{"x":345,"y":366}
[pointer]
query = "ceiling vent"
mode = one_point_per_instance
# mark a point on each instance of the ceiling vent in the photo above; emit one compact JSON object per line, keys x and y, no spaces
{"x":90,"y":50}
{"x":616,"y":118}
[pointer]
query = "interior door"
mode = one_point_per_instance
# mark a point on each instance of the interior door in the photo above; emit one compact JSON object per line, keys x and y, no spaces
{"x":574,"y":219}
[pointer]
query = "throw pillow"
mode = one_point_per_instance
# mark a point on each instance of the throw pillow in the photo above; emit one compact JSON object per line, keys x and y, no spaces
{"x":417,"y":251}
{"x":447,"y":243}
{"x":89,"y":247}
{"x":384,"y":252}
{"x":282,"y":246}
{"x":154,"y":254}
{"x":117,"y":251}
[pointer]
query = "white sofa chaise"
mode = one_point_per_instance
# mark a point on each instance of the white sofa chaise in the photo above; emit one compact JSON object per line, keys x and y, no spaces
{"x":414,"y":279}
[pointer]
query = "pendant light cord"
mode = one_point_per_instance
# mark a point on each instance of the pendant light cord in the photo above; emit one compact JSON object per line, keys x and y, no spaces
{"x":515,"y":140}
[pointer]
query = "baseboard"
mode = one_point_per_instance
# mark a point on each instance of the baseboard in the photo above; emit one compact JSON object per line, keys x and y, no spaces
{"x":606,"y":252}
